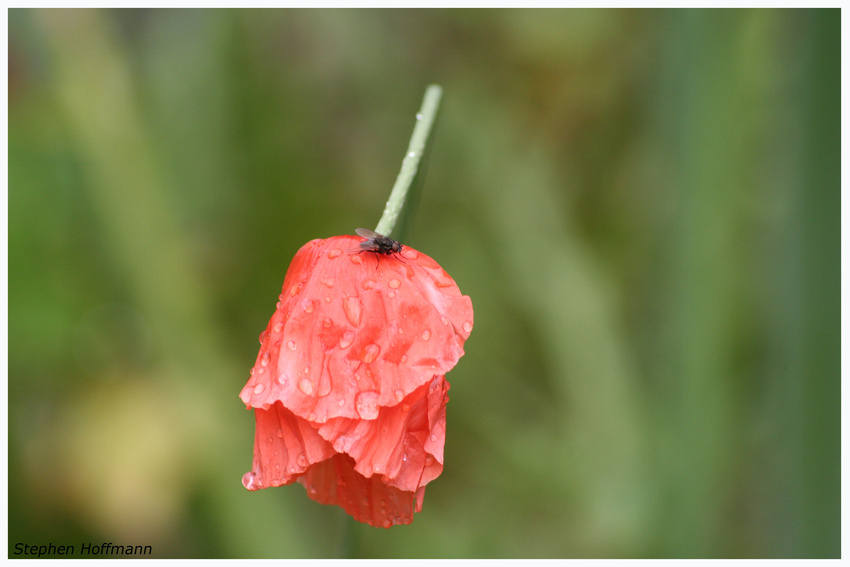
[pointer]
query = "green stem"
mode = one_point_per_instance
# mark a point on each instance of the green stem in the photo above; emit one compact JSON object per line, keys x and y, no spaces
{"x":410,"y":167}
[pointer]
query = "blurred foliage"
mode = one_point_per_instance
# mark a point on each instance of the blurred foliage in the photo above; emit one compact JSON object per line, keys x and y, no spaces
{"x":643,"y":206}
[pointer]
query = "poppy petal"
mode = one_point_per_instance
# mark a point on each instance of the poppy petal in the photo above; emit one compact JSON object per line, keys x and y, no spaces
{"x":350,"y":336}
{"x":403,"y":445}
{"x":367,"y":500}
{"x":285,"y":445}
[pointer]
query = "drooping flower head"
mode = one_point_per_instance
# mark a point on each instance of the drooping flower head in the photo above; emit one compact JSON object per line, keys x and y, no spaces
{"x":349,"y":386}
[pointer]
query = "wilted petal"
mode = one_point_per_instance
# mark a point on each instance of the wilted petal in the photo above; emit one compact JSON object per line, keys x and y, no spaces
{"x":284,"y":447}
{"x":366,"y":499}
{"x":404,"y":444}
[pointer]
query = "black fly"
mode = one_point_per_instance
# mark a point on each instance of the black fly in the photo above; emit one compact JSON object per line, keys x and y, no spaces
{"x":377,"y":243}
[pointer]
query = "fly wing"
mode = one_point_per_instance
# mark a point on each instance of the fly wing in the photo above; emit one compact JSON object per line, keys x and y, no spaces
{"x":366,"y":233}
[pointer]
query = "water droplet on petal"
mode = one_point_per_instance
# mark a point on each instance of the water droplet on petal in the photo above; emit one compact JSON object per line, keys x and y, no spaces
{"x":404,"y":358}
{"x":258,"y":389}
{"x":405,"y":407}
{"x":394,"y":283}
{"x":346,"y":339}
{"x":341,"y":402}
{"x":295,"y":289}
{"x":309,"y":305}
{"x":264,"y":360}
{"x":370,"y":352}
{"x":390,"y":294}
{"x":367,"y":404}
{"x":333,"y":253}
{"x":327,"y":299}
{"x":312,"y":489}
{"x":355,"y":259}
{"x":306,"y":386}
{"x":426,"y":334}
{"x":262,"y":336}
{"x":399,"y":395}
{"x":291,"y":345}
{"x":283,"y":379}
{"x":353,"y":310}
{"x":278,"y":326}
{"x":250,"y":481}
{"x":467,"y":326}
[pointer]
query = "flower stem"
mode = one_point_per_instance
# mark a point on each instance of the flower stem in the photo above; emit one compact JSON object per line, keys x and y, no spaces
{"x":413,"y":166}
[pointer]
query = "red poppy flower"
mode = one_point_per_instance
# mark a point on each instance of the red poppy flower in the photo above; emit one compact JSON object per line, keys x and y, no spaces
{"x":349,"y":386}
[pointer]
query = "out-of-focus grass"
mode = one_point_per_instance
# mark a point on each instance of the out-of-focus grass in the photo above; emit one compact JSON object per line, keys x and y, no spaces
{"x":643,"y":206}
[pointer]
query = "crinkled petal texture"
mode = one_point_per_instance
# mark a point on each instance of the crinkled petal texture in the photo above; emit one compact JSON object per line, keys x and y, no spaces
{"x":348,"y":388}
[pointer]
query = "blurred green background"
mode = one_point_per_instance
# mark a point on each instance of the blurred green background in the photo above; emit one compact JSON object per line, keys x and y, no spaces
{"x":643,"y":206}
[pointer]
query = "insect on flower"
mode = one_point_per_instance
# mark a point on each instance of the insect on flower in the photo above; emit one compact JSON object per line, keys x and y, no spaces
{"x":377,"y":243}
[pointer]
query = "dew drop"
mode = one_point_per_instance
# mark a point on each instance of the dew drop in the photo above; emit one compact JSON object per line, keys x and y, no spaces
{"x":301,"y":460}
{"x":278,"y":327}
{"x":355,"y":259}
{"x":353,"y":310}
{"x":370,"y":352}
{"x":426,"y":334}
{"x":394,"y":283}
{"x":390,"y":294}
{"x":306,"y":386}
{"x":311,"y":416}
{"x":327,"y":299}
{"x":346,"y":339}
{"x":282,"y":379}
{"x":261,"y":371}
{"x":250,"y":481}
{"x":291,"y":345}
{"x":467,"y":326}
{"x":258,"y":389}
{"x":295,"y":289}
{"x":367,"y":404}
{"x":306,"y":370}
{"x":264,"y":360}
{"x":433,"y":437}
{"x":419,"y":116}
{"x":341,"y":402}
{"x":334,"y":253}
{"x":404,"y":358}
{"x":309,"y":305}
{"x":328,"y":282}
{"x":399,"y":395}
{"x":262,"y":336}
{"x":405,"y":407}
{"x":368,"y":284}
